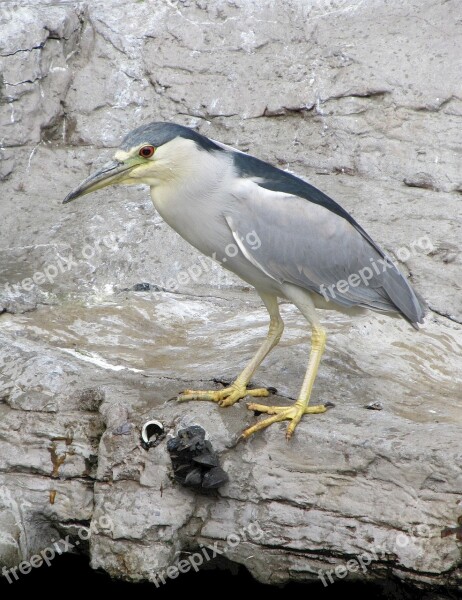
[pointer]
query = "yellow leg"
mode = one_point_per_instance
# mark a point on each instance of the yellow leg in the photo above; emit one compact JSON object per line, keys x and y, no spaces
{"x":295,"y":412}
{"x":304,"y":302}
{"x":238,"y":389}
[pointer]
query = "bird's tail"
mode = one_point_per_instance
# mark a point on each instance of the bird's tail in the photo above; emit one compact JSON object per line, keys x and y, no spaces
{"x":410,"y":304}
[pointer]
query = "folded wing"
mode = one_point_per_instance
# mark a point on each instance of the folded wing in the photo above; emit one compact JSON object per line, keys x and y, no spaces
{"x":308,"y":244}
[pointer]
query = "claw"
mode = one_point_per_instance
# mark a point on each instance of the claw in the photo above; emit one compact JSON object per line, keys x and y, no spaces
{"x":225,"y":397}
{"x":292,"y":413}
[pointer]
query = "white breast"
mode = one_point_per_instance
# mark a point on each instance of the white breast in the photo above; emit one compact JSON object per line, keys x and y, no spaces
{"x":193,"y":204}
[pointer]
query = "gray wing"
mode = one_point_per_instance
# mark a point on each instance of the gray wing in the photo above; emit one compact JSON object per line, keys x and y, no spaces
{"x":296,"y":241}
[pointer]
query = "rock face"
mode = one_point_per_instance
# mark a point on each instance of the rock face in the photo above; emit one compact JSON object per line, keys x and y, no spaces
{"x":364,"y":99}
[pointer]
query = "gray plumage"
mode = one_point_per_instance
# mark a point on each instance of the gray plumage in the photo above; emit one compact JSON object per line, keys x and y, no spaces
{"x":324,"y":249}
{"x":307,"y":239}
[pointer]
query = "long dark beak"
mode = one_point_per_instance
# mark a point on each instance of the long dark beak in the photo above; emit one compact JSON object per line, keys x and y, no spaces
{"x":111,"y":173}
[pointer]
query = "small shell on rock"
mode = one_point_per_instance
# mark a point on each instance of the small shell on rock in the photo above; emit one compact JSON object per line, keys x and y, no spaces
{"x":151,"y":433}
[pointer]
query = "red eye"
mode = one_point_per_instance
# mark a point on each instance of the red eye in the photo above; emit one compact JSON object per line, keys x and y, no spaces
{"x":147,"y":151}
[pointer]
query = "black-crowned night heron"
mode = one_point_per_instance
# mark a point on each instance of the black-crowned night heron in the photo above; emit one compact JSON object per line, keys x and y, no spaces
{"x":288,"y":239}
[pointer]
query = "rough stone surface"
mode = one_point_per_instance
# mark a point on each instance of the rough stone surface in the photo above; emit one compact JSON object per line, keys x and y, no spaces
{"x":362,"y":97}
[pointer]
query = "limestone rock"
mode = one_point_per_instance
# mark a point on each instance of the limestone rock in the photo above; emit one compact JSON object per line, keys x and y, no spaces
{"x":363,"y":99}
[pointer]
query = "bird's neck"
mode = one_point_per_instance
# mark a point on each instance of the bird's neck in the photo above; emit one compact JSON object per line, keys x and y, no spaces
{"x":193,"y":203}
{"x":192,"y":186}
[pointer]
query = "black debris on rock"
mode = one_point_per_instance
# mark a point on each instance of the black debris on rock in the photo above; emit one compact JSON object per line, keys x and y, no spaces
{"x":195,"y":462}
{"x":374,"y":406}
{"x":143,"y":287}
{"x":147,"y":287}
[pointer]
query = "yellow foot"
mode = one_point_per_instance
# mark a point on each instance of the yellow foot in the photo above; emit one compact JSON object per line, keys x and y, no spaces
{"x":225,"y":397}
{"x":281,"y":413}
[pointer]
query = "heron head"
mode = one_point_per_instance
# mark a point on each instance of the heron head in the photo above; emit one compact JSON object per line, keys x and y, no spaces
{"x":151,"y":154}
